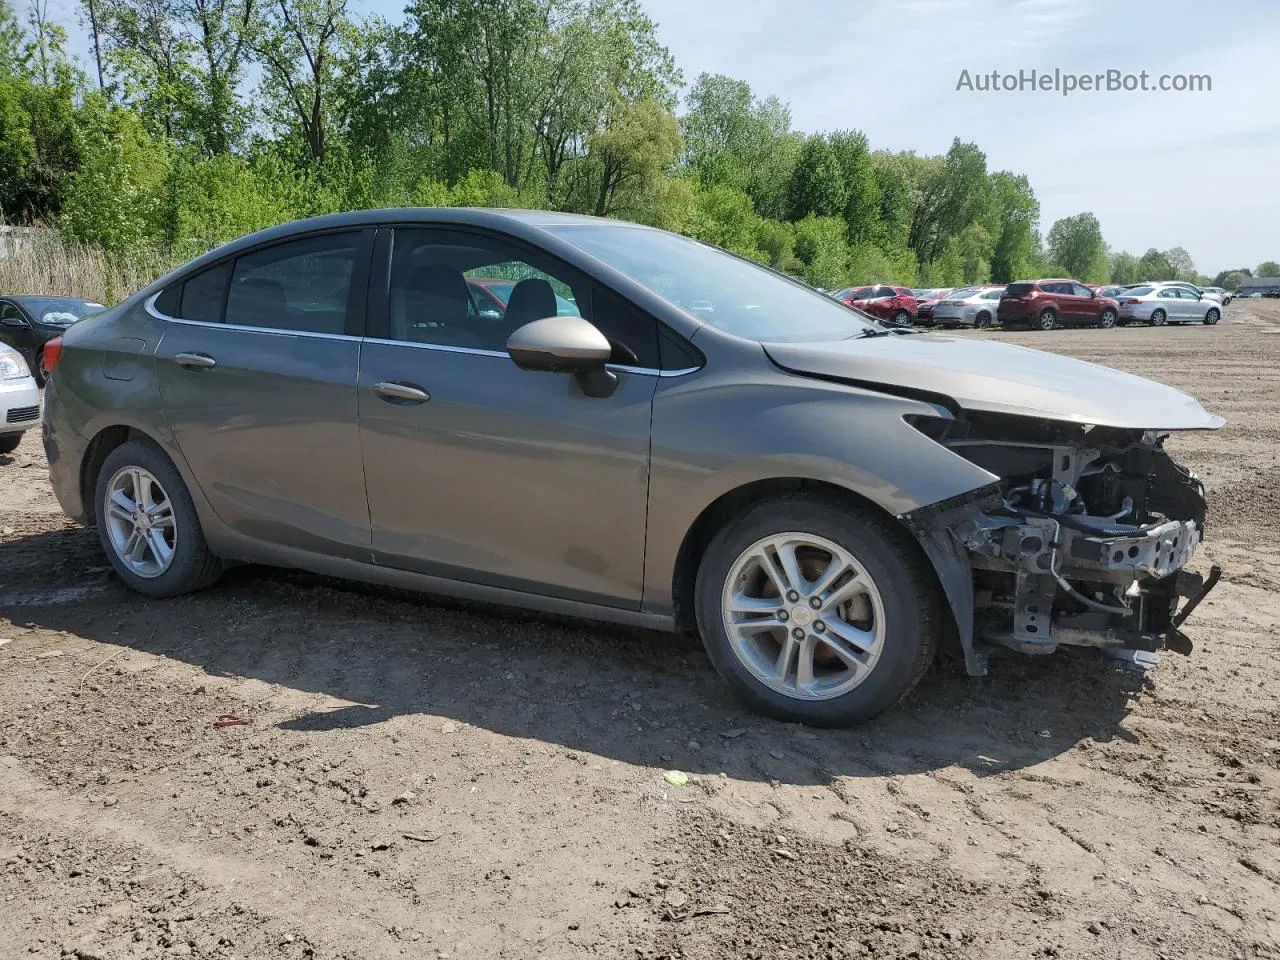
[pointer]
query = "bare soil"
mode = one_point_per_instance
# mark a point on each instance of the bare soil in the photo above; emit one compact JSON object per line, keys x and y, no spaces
{"x":421,"y":779}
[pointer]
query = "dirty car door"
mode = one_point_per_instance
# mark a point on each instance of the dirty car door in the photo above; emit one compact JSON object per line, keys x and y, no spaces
{"x":480,"y":471}
{"x":257,"y":370}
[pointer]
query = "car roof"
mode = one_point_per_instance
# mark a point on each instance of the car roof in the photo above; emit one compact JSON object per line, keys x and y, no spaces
{"x":524,"y":223}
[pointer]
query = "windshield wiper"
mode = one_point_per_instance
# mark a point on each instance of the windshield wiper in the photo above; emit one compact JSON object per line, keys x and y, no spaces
{"x":868,"y":333}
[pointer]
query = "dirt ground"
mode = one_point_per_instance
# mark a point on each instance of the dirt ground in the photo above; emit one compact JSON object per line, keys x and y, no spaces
{"x":422,"y":779}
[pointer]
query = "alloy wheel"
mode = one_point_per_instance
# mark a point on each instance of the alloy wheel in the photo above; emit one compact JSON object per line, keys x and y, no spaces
{"x":803,"y":616}
{"x":1211,"y":317}
{"x":140,"y":522}
{"x":1158,"y":318}
{"x":1046,"y":320}
{"x":1107,"y":320}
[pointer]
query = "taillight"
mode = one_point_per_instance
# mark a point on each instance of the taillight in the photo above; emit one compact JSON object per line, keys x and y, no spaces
{"x":52,"y":351}
{"x":1132,"y":303}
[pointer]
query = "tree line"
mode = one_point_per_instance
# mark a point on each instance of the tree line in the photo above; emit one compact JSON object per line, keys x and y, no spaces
{"x":198,"y":121}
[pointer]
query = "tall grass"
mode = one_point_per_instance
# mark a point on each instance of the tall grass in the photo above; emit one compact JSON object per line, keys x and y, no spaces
{"x":48,"y":266}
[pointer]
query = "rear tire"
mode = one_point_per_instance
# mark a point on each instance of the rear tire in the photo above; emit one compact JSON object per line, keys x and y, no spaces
{"x":1046,"y":320}
{"x":891,"y":612}
{"x":10,"y":443}
{"x":1159,"y":318}
{"x":1211,"y":317}
{"x":190,"y":565}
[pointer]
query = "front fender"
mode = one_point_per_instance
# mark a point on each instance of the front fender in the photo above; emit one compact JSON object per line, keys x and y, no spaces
{"x":713,"y":435}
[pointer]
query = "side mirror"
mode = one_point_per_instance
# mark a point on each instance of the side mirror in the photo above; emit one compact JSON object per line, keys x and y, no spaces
{"x":564,"y":344}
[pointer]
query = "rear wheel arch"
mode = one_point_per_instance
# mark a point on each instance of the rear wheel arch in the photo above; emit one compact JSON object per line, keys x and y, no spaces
{"x":733,"y":504}
{"x":95,"y":455}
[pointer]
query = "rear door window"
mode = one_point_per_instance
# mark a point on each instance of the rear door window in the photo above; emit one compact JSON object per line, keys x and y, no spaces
{"x":204,"y":295}
{"x":302,"y":285}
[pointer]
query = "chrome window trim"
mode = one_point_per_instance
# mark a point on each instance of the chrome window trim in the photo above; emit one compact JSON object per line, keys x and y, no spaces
{"x":478,"y":352}
{"x":150,"y":306}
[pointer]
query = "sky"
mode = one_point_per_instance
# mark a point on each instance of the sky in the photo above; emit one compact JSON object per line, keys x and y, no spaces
{"x":1163,"y":169}
{"x":1197,"y":170}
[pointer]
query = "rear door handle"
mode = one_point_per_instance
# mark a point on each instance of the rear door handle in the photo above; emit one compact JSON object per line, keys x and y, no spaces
{"x":393,"y":391}
{"x":195,"y":361}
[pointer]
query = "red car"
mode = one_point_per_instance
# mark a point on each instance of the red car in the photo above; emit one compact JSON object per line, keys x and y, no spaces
{"x":1045,"y":304}
{"x":895,"y":304}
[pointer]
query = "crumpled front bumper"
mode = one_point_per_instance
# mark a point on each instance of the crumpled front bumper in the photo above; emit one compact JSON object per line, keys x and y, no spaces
{"x":1083,"y":588}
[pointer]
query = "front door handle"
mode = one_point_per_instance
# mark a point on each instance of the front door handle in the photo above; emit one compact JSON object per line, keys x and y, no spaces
{"x":394,"y":391}
{"x":195,"y":361}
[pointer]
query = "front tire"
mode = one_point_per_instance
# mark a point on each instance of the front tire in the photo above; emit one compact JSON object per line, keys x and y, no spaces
{"x":10,"y":443}
{"x":1046,"y":320}
{"x":1107,"y":319}
{"x":902,"y":318}
{"x":148,"y":525}
{"x":983,"y":320}
{"x":38,"y":370}
{"x":815,"y":611}
{"x":1212,"y":317}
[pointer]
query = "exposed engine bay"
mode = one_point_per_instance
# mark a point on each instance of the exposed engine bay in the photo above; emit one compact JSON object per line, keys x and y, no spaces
{"x":1082,"y":540}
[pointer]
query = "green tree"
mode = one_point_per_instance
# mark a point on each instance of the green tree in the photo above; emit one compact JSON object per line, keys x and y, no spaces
{"x":735,"y":139}
{"x":1268,"y":268}
{"x":1184,"y":267}
{"x":1018,"y":212}
{"x":817,"y":185}
{"x":1155,"y":265}
{"x":953,"y":192}
{"x":821,"y":246}
{"x":862,"y":194}
{"x":296,"y":45}
{"x":1076,"y":243}
{"x":39,"y":148}
{"x":115,"y":198}
{"x":1124,"y":268}
{"x":726,"y":217}
{"x":631,"y":154}
{"x":181,"y":64}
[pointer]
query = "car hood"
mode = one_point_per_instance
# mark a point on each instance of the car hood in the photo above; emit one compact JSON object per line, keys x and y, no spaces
{"x":994,"y":377}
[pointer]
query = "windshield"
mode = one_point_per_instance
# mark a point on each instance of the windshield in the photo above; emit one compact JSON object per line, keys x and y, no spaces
{"x":733,"y":295}
{"x":60,"y":311}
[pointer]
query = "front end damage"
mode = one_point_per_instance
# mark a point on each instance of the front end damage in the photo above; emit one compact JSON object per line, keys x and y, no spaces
{"x":1082,"y":541}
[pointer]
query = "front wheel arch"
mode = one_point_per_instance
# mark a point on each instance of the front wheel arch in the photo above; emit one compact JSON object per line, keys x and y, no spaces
{"x":731,"y":505}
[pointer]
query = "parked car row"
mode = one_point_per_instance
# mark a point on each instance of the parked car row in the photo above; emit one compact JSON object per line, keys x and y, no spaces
{"x":1040,"y":304}
{"x":28,"y":323}
{"x":19,"y":399}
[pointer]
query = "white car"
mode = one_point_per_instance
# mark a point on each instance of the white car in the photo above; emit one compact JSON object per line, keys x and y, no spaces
{"x":1164,"y":303}
{"x":968,"y":307}
{"x":1206,"y":293}
{"x":19,"y":399}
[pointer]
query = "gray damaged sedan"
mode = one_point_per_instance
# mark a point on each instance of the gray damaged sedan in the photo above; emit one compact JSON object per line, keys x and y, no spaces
{"x":637,"y":428}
